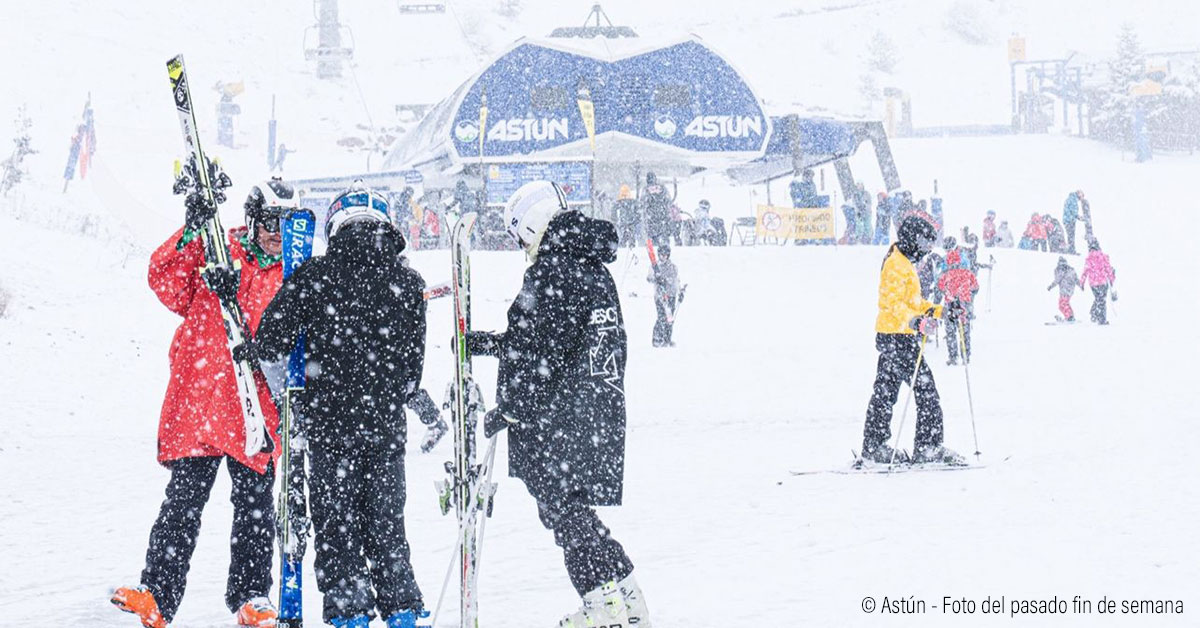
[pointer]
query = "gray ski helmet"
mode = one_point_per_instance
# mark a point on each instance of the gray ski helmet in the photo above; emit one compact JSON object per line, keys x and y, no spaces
{"x":267,"y":202}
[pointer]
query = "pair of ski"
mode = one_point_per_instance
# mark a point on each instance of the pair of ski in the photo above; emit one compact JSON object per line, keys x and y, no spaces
{"x":202,"y":177}
{"x":859,"y":466}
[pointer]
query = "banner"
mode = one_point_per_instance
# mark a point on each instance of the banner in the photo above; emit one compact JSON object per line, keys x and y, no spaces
{"x":575,"y":178}
{"x":787,"y":223}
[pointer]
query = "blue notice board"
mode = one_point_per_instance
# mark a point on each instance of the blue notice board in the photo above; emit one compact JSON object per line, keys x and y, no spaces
{"x":575,"y":177}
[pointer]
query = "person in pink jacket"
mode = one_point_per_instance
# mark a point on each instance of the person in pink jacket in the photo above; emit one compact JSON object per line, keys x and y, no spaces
{"x":1098,"y":271}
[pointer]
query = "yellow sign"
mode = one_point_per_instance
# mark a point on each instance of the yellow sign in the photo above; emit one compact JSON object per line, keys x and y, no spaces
{"x":1016,"y":49}
{"x":1147,"y":87}
{"x":792,"y":223}
{"x":587,"y":111}
{"x":482,"y":121}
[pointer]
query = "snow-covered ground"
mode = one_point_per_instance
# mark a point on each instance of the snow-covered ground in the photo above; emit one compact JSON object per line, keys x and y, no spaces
{"x":1088,"y":431}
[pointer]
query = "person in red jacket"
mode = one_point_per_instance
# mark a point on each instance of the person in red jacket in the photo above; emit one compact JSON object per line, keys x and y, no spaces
{"x":1036,"y":232}
{"x":202,"y":423}
{"x":958,"y":285}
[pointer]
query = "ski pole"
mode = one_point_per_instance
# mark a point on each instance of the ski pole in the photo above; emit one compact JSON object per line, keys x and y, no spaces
{"x":967,"y":371}
{"x":912,"y":384}
{"x":487,"y":484}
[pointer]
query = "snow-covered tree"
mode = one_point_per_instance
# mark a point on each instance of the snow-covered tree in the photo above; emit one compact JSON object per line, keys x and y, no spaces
{"x":1114,"y":117}
{"x":881,"y":53}
{"x":12,"y":169}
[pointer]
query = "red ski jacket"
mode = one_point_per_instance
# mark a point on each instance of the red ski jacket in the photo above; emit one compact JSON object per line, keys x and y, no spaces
{"x":201,"y":414}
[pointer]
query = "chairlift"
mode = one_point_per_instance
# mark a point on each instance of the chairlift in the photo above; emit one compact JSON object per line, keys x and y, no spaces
{"x":419,"y":8}
{"x":311,"y":51}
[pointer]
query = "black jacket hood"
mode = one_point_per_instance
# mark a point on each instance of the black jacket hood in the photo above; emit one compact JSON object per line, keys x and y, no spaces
{"x":572,"y":233}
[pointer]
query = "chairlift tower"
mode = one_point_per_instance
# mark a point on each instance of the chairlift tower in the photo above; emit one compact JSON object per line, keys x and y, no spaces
{"x":335,"y":42}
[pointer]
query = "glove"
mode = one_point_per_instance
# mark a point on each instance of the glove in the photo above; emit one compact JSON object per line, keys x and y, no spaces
{"x":924,"y":325}
{"x":1114,"y":295}
{"x":483,"y":343}
{"x":224,"y":281}
{"x":494,"y":421}
{"x":245,"y":352}
{"x":199,"y":211}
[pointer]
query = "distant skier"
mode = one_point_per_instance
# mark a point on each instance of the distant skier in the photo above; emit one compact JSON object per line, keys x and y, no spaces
{"x":560,"y":393}
{"x":1070,"y":215}
{"x":883,"y":217}
{"x":665,"y":277}
{"x":1054,"y":234}
{"x":989,"y":229}
{"x":904,"y":318}
{"x":202,"y":423}
{"x":930,"y":269}
{"x":862,"y":203}
{"x":1035,"y":234}
{"x":1004,"y":236}
{"x":629,"y":218}
{"x":803,"y":190}
{"x":1066,"y":280}
{"x":362,"y":313}
{"x":1098,"y":271}
{"x":958,"y":286}
{"x":656,"y":207}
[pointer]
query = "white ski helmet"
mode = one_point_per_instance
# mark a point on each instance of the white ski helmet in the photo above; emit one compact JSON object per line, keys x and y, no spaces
{"x":529,"y":211}
{"x":356,"y":204}
{"x":268,"y":202}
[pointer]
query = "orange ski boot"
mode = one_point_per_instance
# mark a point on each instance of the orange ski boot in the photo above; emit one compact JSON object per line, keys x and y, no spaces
{"x":140,"y":602}
{"x":257,"y":613}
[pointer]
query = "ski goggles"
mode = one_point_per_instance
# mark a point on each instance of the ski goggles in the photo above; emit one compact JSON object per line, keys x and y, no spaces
{"x":271,"y":218}
{"x":353,"y":207}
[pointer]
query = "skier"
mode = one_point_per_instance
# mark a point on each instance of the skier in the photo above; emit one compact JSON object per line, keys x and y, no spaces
{"x":930,"y":269}
{"x":1098,"y":271}
{"x":1054,"y":234}
{"x":202,"y":422}
{"x":362,"y":313}
{"x":804,"y":190}
{"x":1066,"y":280}
{"x":629,"y":217}
{"x":882,"y":218}
{"x":560,"y":393}
{"x":1004,"y":236}
{"x":1070,"y":215}
{"x":656,"y":207}
{"x":665,"y":277}
{"x":958,"y":285}
{"x":989,"y":229}
{"x":904,"y":319}
{"x":863,"y":204}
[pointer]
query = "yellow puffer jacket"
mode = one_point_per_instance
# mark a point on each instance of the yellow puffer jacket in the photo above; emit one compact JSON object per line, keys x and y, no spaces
{"x":900,"y":295}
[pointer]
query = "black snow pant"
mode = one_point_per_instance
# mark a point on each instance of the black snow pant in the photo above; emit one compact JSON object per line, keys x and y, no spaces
{"x":897,"y":362}
{"x":663,"y":325}
{"x":357,"y":496}
{"x":173,"y":537}
{"x":1069,"y":227}
{"x":1100,"y":304}
{"x":592,"y":556}
{"x":952,"y":323}
{"x":421,"y":403}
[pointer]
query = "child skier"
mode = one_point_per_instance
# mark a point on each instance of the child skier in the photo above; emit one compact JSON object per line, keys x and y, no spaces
{"x":362,"y":313}
{"x":1066,"y":280}
{"x":904,"y":320}
{"x":560,"y":393}
{"x":665,"y":277}
{"x":1098,"y":271}
{"x":989,"y":229}
{"x":958,"y":285}
{"x":202,"y":422}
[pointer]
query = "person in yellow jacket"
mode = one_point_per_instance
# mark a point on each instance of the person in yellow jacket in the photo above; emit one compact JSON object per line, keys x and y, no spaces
{"x":904,"y":319}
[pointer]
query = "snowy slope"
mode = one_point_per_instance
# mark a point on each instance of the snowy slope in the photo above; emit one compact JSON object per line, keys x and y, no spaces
{"x":772,"y":372}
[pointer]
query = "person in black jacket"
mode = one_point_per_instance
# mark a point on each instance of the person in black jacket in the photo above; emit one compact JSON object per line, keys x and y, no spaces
{"x":362,"y":313}
{"x":561,"y":395}
{"x":656,"y":207}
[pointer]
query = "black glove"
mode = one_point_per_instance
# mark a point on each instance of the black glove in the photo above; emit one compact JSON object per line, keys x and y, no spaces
{"x":494,"y":421}
{"x":224,"y":281}
{"x":245,"y":352}
{"x":483,"y":343}
{"x":199,"y":211}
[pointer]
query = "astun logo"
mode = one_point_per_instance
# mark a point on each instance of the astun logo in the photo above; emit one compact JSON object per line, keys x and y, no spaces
{"x":724,"y":126}
{"x":538,"y":130}
{"x":664,"y":127}
{"x":466,"y":131}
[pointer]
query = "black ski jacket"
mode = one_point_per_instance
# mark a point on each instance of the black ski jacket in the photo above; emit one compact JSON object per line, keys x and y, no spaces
{"x":362,"y":313}
{"x":562,"y":368}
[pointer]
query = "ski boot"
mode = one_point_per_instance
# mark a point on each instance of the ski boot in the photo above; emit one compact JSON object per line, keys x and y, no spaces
{"x":257,"y":612}
{"x":434,"y":434}
{"x":361,"y":621}
{"x":406,"y":619}
{"x":882,"y":454}
{"x":635,"y":603}
{"x":938,"y":454}
{"x":602,"y":607}
{"x":139,"y":601}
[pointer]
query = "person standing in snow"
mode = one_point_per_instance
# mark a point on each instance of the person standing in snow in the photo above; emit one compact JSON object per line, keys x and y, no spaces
{"x":1098,"y":271}
{"x":904,"y":320}
{"x":665,"y":277}
{"x":883,"y":215}
{"x":930,"y":269}
{"x":629,"y":217}
{"x":1066,"y":280}
{"x":1054,"y":234}
{"x":1004,"y":236}
{"x":560,"y":393}
{"x":1035,"y":232}
{"x":201,"y":423}
{"x":656,"y":207}
{"x":989,"y":229}
{"x":362,"y":314}
{"x":1070,"y":215}
{"x":803,"y":190}
{"x":958,"y":285}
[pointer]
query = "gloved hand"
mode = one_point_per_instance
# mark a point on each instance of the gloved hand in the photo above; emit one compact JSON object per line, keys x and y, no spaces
{"x":924,"y":325}
{"x":224,"y":281}
{"x":245,"y":352}
{"x":199,"y":211}
{"x":494,"y":421}
{"x":483,"y":343}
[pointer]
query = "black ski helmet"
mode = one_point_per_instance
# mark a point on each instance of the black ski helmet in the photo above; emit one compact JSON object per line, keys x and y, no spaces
{"x":664,"y":251}
{"x":915,"y":237}
{"x":267,"y":202}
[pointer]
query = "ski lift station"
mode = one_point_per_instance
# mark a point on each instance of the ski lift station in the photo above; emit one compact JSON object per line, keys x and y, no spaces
{"x":597,"y":107}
